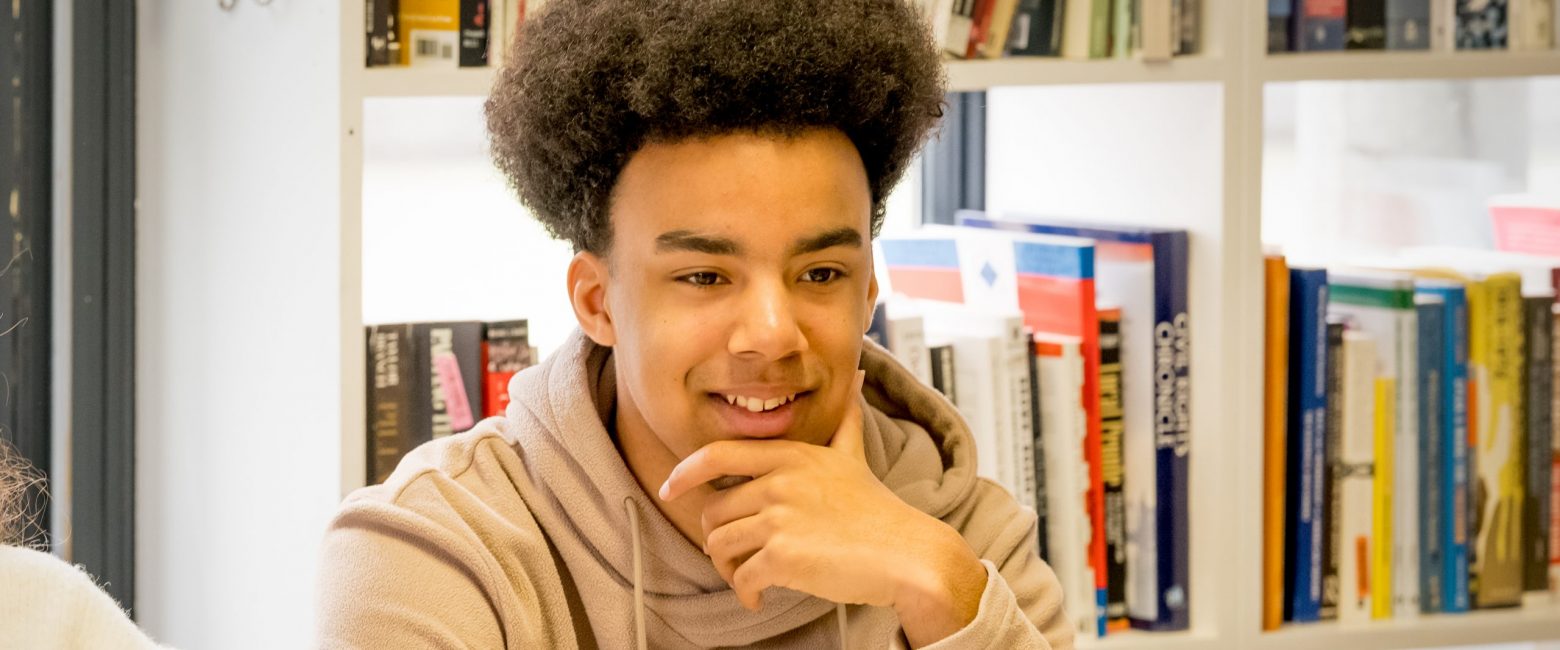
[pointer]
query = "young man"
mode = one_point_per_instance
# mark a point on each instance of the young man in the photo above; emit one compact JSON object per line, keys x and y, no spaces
{"x":704,"y":463}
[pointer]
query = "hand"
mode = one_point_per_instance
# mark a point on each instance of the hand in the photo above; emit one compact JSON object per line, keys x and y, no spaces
{"x":816,"y":520}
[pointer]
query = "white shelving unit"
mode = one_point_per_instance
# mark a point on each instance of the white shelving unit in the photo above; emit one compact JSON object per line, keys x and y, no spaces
{"x":1227,"y":300}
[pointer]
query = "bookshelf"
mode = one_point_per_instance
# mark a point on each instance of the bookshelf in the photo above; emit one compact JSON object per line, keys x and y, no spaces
{"x":1227,"y":295}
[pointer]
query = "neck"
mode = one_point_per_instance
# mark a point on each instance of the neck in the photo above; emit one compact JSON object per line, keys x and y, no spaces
{"x":650,"y":461}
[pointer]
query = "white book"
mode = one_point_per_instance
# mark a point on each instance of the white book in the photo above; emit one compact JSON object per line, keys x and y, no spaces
{"x":1355,"y":477}
{"x":907,"y":339}
{"x":1443,"y":25}
{"x":941,"y":14}
{"x":1532,"y":25}
{"x":1075,"y":29}
{"x":1062,"y":419}
{"x":1005,"y":440}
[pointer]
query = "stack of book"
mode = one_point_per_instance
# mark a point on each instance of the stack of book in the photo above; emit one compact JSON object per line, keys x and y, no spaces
{"x":442,"y":33}
{"x":431,"y":380}
{"x":1075,"y":29}
{"x":1444,"y":25}
{"x":1065,"y":347}
{"x":1410,"y":449}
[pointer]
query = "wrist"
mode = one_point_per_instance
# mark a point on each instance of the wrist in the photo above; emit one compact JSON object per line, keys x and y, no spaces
{"x":941,"y":595}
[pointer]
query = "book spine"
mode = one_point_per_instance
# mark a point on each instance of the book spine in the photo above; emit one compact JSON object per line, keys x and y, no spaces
{"x":1332,"y":501}
{"x":1112,"y":429}
{"x":1552,"y":494}
{"x":1022,"y":428}
{"x":1458,"y":428}
{"x":1367,"y":24}
{"x":1532,"y":24}
{"x":475,"y":18}
{"x":506,"y":350}
{"x":1188,"y":25}
{"x":1320,"y":25}
{"x":1405,"y":475}
{"x":1033,"y":22}
{"x":1497,"y":332}
{"x":1276,"y":388}
{"x":1099,"y":29}
{"x":1443,"y":25}
{"x":980,"y":26}
{"x":1281,"y":29}
{"x":392,"y":405}
{"x":1357,"y":473}
{"x":943,"y":371}
{"x":1482,"y":24}
{"x":1121,"y":29}
{"x":1308,"y":413}
{"x":1432,"y":582}
{"x":1408,"y":24}
{"x":1381,"y":567}
{"x":1540,"y":397}
{"x":1042,"y":495}
{"x":378,"y":46}
{"x":960,"y":23}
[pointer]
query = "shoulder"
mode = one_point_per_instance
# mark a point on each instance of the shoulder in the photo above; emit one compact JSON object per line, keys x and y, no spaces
{"x":58,"y":605}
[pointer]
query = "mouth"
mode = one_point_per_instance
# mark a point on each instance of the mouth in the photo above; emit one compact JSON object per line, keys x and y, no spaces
{"x":750,"y":416}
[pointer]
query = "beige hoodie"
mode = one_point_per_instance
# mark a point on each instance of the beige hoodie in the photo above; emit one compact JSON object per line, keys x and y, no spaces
{"x":530,"y":532}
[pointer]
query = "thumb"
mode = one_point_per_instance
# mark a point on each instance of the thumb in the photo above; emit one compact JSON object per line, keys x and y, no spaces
{"x":848,"y":437}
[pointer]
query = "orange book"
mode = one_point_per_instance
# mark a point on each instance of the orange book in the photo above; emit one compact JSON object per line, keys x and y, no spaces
{"x":1275,"y":408}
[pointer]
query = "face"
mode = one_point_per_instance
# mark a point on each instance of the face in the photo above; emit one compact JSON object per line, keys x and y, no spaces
{"x":737,"y":288}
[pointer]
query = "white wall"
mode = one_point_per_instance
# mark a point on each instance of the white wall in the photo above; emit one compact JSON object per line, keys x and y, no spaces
{"x":238,"y":375}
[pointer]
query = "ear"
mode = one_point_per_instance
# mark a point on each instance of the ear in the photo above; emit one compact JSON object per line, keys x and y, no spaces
{"x":588,"y":278}
{"x":872,"y":296}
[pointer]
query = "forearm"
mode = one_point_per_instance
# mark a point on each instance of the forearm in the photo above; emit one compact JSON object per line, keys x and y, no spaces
{"x":940,"y":595}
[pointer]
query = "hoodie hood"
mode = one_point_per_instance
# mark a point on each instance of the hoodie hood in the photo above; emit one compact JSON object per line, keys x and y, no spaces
{"x":581,"y":492}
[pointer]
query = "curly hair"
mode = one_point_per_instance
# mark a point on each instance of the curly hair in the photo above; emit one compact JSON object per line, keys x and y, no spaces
{"x":18,"y":508}
{"x":589,"y":82}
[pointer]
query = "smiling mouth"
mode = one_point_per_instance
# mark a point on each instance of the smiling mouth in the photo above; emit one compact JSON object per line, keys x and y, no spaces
{"x":758,"y":405}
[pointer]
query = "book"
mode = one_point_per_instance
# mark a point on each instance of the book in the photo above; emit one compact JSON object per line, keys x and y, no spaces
{"x":943,"y":371}
{"x":1187,"y":19}
{"x":1382,"y":305}
{"x":1123,"y":15}
{"x":1037,"y":28}
{"x":449,"y":365}
{"x":1383,"y":565}
{"x":961,"y":24}
{"x":1064,"y":422}
{"x":1357,"y":462}
{"x":1332,"y":536}
{"x":1077,"y":28}
{"x":1455,"y":422}
{"x":1525,"y":224}
{"x":1482,"y":24}
{"x":1156,"y":30}
{"x":1042,"y":494}
{"x":506,"y":350}
{"x":1000,"y":29}
{"x":1111,"y":438}
{"x":1552,"y":499}
{"x":1099,"y":29}
{"x":1320,"y":25}
{"x":1367,"y":24}
{"x":1532,"y":25}
{"x":383,"y":45}
{"x":1306,"y":420}
{"x":475,"y":20}
{"x":907,"y":341}
{"x":393,"y":407}
{"x":1538,"y":320}
{"x":1408,"y":24}
{"x":1281,"y":29}
{"x":430,"y":33}
{"x":1275,"y":416}
{"x":1496,"y":363}
{"x":1431,"y":318}
{"x":1443,"y":25}
{"x":1144,"y":271}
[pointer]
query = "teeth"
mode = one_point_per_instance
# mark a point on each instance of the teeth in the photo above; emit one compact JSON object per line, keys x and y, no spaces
{"x":757,"y":405}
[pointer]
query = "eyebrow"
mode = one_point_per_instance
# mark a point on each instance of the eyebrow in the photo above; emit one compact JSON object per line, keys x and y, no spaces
{"x":689,"y":241}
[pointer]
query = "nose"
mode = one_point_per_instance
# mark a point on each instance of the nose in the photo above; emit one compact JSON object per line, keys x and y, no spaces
{"x":767,"y":325}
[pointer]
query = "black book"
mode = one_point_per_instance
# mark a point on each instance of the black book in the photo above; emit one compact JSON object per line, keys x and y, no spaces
{"x":449,"y":366}
{"x":1112,"y":429}
{"x":1037,"y":28}
{"x":1539,"y":321}
{"x":475,"y":17}
{"x":393,"y":406}
{"x":1041,"y":510}
{"x":1367,"y":28}
{"x":1332,"y":505}
{"x":942,"y":371}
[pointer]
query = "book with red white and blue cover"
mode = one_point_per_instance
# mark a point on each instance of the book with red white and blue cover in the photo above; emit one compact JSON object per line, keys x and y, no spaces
{"x":1145,"y":272}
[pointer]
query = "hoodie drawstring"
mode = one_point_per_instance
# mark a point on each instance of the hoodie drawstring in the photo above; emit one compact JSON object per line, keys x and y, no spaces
{"x":639,"y":584}
{"x":639,"y":575}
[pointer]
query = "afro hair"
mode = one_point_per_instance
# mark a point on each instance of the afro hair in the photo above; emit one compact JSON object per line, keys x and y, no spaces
{"x":590,"y":82}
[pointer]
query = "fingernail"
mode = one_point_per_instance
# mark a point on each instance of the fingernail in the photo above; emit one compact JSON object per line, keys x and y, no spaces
{"x":665,"y":487}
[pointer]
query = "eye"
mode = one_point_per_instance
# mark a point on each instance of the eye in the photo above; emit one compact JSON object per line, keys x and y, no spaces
{"x":823,"y":275}
{"x":702,"y":279}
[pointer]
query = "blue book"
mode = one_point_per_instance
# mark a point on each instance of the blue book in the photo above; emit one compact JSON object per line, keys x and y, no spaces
{"x":1144,"y":271}
{"x":1454,"y":453}
{"x":1432,"y":361}
{"x":1321,"y":25}
{"x":1306,"y":436}
{"x":1408,"y":24}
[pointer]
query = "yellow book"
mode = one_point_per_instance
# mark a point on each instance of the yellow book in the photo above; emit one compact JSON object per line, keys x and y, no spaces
{"x":1381,"y":511}
{"x":430,"y":33}
{"x":1275,"y":405}
{"x":1496,"y":360}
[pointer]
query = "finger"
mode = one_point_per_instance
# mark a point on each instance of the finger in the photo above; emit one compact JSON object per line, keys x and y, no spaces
{"x":848,"y":437}
{"x":745,"y":500}
{"x":732,"y":544}
{"x":753,"y":458}
{"x":754,"y":576}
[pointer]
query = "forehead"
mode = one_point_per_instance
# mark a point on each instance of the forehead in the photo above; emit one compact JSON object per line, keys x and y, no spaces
{"x":765,"y":190}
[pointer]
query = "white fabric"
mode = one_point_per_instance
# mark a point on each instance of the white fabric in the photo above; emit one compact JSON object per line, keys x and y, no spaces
{"x":48,"y":604}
